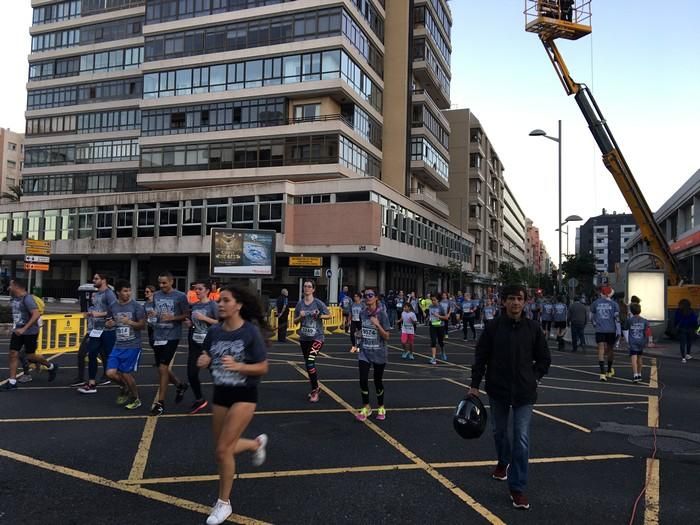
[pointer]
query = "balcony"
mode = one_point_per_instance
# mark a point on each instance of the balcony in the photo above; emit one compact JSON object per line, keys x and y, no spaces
{"x":432,"y":203}
{"x":427,"y":173}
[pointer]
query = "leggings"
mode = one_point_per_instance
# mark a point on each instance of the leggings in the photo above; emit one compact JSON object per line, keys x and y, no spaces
{"x":354,"y":327}
{"x":195,"y":350}
{"x":378,"y":384}
{"x":310,"y":349}
{"x":468,"y":322}
{"x":99,"y":345}
{"x":437,"y":334}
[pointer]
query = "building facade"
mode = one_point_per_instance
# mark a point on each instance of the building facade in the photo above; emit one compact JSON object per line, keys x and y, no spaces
{"x":11,"y":162}
{"x":149,"y":123}
{"x":534,"y":259}
{"x":476,"y":193}
{"x":515,"y":242}
{"x":605,"y":237}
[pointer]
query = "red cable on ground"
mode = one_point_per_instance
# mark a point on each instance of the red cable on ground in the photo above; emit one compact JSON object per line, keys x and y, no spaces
{"x":653,"y":456}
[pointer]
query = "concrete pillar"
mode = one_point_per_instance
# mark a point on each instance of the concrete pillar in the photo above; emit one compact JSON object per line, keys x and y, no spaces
{"x":191,"y":269}
{"x":361,"y":269}
{"x":381,"y":281}
{"x":84,"y":277}
{"x":333,"y":281}
{"x":419,"y":282}
{"x":39,"y":279}
{"x":134,"y":275}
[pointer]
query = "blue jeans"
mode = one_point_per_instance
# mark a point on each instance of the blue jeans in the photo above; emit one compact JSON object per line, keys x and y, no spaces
{"x":685,"y":336}
{"x":101,"y":346}
{"x":518,"y":455}
{"x":577,"y":337}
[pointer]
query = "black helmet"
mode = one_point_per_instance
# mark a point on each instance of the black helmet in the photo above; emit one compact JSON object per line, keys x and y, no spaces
{"x":470,"y":418}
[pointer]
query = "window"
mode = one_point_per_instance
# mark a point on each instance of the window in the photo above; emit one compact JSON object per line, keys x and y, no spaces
{"x":125,"y":221}
{"x":146,"y":220}
{"x":475,"y":160}
{"x":307,"y":112}
{"x":168,"y":218}
{"x":12,"y":146}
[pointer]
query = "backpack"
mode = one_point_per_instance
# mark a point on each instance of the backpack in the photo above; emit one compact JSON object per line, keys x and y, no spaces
{"x":40,"y":305}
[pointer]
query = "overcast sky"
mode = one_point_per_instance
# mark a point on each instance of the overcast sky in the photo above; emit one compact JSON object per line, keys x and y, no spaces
{"x":642,"y":63}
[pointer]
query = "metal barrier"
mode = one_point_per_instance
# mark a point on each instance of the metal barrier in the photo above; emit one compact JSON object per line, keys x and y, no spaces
{"x":61,"y":333}
{"x":334,"y":325}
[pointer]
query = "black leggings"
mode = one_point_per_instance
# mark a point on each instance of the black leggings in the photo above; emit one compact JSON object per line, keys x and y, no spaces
{"x":364,"y":381}
{"x":437,"y":335}
{"x":82,"y":354}
{"x":354,"y":327}
{"x":468,"y":322}
{"x":195,"y":350}
{"x":310,"y":349}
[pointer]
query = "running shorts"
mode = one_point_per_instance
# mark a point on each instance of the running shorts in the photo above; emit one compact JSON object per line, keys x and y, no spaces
{"x":164,"y":353}
{"x":227,"y":396}
{"x":605,"y":337}
{"x":407,"y":338}
{"x":29,"y":342}
{"x":636,"y":350}
{"x":124,"y":360}
{"x":559,"y":324}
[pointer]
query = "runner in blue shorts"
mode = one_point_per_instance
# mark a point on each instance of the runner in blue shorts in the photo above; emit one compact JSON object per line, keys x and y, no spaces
{"x":128,"y":318}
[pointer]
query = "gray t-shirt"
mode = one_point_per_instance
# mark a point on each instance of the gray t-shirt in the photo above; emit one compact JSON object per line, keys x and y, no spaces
{"x":638,"y":329}
{"x":200,"y":328}
{"x":372,"y":345}
{"x":127,"y":336}
{"x":245,"y":345}
{"x":101,"y":302}
{"x":311,"y":325}
{"x":547,"y":311}
{"x":468,"y":308}
{"x":560,"y":313}
{"x":355,"y":310}
{"x":605,"y":314}
{"x":434,"y":310}
{"x":173,"y":303}
{"x":22,"y":312}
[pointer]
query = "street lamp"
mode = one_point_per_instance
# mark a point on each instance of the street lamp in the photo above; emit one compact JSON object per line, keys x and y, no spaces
{"x":557,"y":139}
{"x":570,"y":218}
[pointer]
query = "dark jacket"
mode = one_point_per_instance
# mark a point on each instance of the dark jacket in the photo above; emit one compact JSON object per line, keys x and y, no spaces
{"x":513,"y":356}
{"x":282,"y":307}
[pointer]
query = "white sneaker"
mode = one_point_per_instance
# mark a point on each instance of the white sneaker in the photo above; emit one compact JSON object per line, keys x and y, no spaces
{"x":689,"y":357}
{"x":683,"y":360}
{"x":260,"y":455}
{"x":219,"y":512}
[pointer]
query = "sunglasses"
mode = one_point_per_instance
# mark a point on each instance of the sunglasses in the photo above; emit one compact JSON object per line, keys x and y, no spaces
{"x":369,"y":295}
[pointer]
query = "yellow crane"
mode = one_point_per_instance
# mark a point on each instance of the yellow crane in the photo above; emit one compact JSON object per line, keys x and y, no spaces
{"x":571,"y":20}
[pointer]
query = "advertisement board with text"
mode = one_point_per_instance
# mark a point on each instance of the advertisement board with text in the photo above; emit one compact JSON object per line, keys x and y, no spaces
{"x":242,"y":253}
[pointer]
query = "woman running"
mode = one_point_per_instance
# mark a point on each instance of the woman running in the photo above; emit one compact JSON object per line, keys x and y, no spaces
{"x":408,"y":321}
{"x":373,"y":352}
{"x":311,"y":312}
{"x":236,"y":353}
{"x":436,"y":317}
{"x":355,"y":323}
{"x":204,"y":314}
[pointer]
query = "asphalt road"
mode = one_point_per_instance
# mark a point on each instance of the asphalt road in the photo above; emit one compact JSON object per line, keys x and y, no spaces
{"x":69,"y":459}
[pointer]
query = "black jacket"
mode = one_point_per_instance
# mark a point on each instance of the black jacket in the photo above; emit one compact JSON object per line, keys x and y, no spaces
{"x":513,"y":356}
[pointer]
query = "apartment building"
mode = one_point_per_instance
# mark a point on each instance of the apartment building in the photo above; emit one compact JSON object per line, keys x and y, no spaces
{"x":476,"y":194}
{"x":149,"y":123}
{"x":534,"y":259}
{"x":605,"y":237}
{"x":515,"y":242}
{"x":11,"y":162}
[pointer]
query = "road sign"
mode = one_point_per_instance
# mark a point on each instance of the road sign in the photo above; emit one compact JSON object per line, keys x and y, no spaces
{"x":37,"y":259}
{"x":36,"y":266}
{"x":329,"y":273}
{"x":31,"y":243}
{"x":306,"y":261}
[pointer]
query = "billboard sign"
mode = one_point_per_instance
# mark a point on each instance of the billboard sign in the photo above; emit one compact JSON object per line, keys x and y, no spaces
{"x":242,"y":253}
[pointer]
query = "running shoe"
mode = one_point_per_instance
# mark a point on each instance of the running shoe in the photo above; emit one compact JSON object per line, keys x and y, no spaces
{"x":104,"y":381}
{"x":363,"y":414}
{"x":683,"y":360}
{"x":219,"y":512}
{"x":353,"y":349}
{"x":133,"y":405}
{"x":78,"y":381}
{"x":260,"y":455}
{"x":410,"y":357}
{"x":157,"y":409}
{"x":519,"y":500}
{"x":87,"y":388}
{"x":611,"y":372}
{"x":25,"y":378}
{"x":9,"y":386}
{"x":443,"y":356}
{"x":603,"y":377}
{"x":500,"y":472}
{"x":122,"y":399}
{"x":198,"y":405}
{"x":314,"y":395}
{"x":381,"y":414}
{"x":52,"y":372}
{"x":688,"y":357}
{"x":447,"y":336}
{"x":433,"y":361}
{"x":637,"y":379}
{"x":404,"y":355}
{"x":180,"y":392}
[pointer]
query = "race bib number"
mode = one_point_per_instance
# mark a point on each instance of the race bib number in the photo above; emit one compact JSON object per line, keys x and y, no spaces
{"x":123,"y":333}
{"x":198,"y":337}
{"x":96,"y":333}
{"x":16,"y":319}
{"x":369,"y":333}
{"x":160,"y":343}
{"x":308,"y":331}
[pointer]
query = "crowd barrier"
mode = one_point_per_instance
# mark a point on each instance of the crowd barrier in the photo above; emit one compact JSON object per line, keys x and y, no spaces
{"x":334,"y":325}
{"x":61,"y":333}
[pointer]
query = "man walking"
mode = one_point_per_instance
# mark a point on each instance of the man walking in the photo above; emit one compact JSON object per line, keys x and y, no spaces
{"x":605,"y":317}
{"x":512,"y":353}
{"x":282,"y":315}
{"x":578,"y":318}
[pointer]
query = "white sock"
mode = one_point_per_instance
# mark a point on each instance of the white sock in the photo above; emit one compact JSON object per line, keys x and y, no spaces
{"x":13,"y":381}
{"x":227,"y":502}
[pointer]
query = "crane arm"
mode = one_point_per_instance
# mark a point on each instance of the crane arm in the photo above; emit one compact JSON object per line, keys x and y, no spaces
{"x":616,"y":163}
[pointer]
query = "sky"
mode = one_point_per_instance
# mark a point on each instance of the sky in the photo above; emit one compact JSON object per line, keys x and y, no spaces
{"x":642,"y":63}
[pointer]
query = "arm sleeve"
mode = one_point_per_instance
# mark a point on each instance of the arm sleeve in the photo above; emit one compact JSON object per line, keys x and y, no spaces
{"x":541,"y":354}
{"x":481,"y":357}
{"x":323,"y":308}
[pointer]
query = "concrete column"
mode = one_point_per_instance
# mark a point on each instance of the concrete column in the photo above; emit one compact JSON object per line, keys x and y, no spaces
{"x":39,"y":279}
{"x":191,"y":269}
{"x":134,"y":275}
{"x":360,"y":274}
{"x":419,"y":282}
{"x":84,"y":277}
{"x":333,"y":281}
{"x":381,"y":281}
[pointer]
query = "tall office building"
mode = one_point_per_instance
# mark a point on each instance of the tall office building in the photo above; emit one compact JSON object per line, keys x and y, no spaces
{"x":151,"y":122}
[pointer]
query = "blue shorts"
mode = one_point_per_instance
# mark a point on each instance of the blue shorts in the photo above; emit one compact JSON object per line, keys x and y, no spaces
{"x":124,"y":360}
{"x":636,"y":350}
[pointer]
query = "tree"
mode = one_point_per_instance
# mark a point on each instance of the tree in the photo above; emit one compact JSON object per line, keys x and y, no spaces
{"x":14,"y":195}
{"x":507,"y":274}
{"x":580,"y":267}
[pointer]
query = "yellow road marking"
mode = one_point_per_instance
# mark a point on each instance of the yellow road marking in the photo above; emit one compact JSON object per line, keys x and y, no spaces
{"x":651,"y":495}
{"x":562,"y":421}
{"x":147,"y":493}
{"x":605,"y":392}
{"x":653,"y":412}
{"x":561,"y":459}
{"x":591,"y":373}
{"x":632,"y":385}
{"x":654,"y":376}
{"x":466,"y":498}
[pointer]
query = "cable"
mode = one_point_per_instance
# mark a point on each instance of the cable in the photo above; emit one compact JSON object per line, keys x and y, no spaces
{"x":653,"y":456}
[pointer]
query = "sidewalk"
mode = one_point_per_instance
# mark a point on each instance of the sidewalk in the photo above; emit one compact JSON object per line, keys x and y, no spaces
{"x":664,"y":348}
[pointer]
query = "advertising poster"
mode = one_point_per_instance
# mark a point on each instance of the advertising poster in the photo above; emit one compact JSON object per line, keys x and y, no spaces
{"x":242,"y":253}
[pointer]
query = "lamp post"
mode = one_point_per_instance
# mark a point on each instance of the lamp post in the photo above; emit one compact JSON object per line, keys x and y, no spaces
{"x":557,"y":139}
{"x":570,"y":218}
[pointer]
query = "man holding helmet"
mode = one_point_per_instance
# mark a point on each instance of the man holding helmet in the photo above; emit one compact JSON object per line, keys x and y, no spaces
{"x":512,"y":353}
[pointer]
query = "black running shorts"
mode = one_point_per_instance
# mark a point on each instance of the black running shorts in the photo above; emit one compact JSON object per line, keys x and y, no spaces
{"x":164,"y":353}
{"x":227,"y":396}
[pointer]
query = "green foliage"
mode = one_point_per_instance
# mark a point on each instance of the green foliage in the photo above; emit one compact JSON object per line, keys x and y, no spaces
{"x":582,"y":268}
{"x":14,"y":195}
